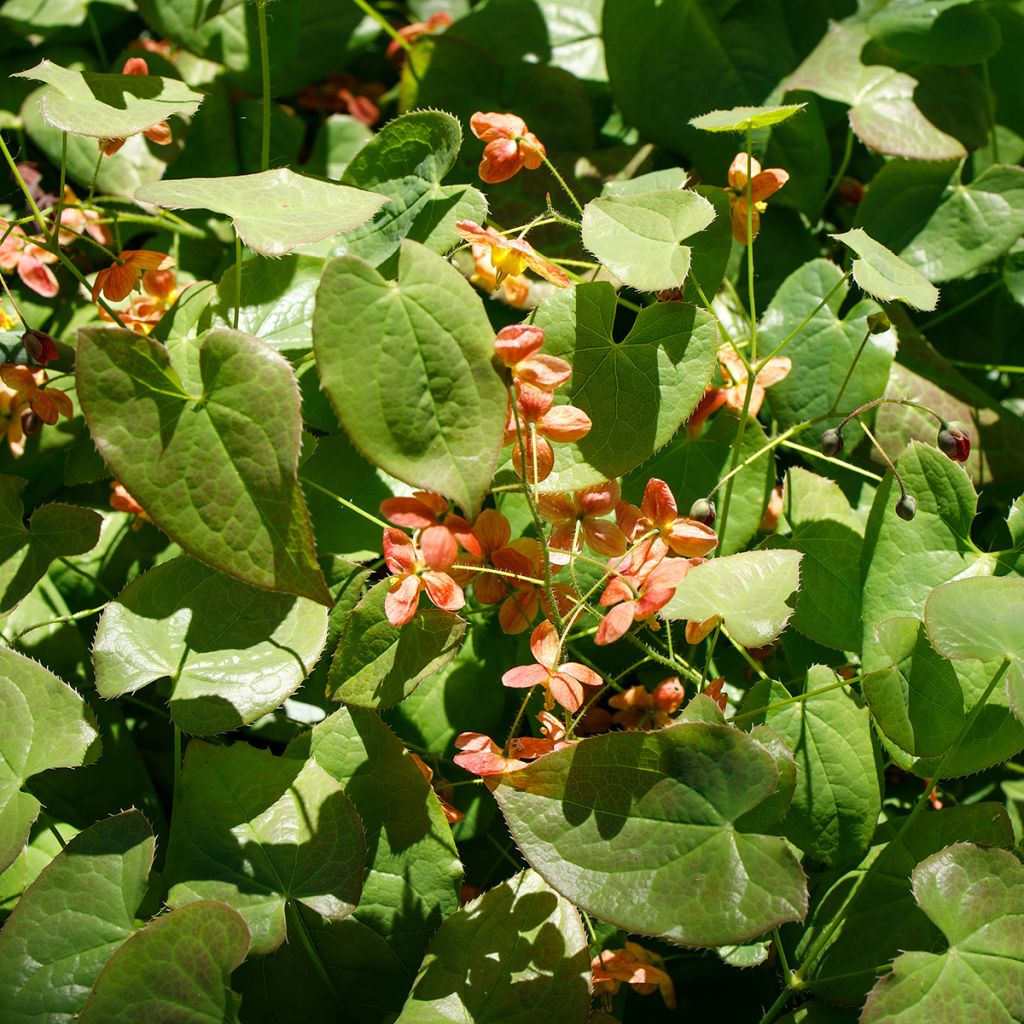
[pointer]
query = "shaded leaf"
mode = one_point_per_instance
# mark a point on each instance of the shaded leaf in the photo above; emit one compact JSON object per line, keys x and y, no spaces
{"x":947,"y":32}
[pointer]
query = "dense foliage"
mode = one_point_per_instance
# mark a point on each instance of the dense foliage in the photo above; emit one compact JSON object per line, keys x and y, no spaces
{"x":511,"y":509}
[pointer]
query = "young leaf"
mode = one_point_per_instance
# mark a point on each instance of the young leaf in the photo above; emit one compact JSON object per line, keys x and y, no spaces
{"x":656,"y":813}
{"x":72,"y":919}
{"x":884,"y":275}
{"x":259,"y":832}
{"x":176,"y":968}
{"x":511,"y":955}
{"x":53,"y":531}
{"x":377,"y":664}
{"x":213,"y":457}
{"x":272,"y":211}
{"x":638,"y":391}
{"x":639,"y":237}
{"x":407,"y":367}
{"x":43,"y":724}
{"x":743,"y":119}
{"x":407,"y":161}
{"x":976,"y":897}
{"x":226,"y":670}
{"x":752,"y":592}
{"x":108,"y":106}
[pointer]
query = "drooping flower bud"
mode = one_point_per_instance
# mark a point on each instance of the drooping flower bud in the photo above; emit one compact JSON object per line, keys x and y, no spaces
{"x":832,"y":442}
{"x":39,"y":346}
{"x":906,"y":507}
{"x":878,"y":323}
{"x":954,"y":442}
{"x":704,"y":511}
{"x":850,"y":190}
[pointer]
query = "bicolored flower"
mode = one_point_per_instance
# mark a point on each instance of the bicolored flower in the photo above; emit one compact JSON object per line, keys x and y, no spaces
{"x":639,"y":708}
{"x":584,"y":508}
{"x":118,"y":280}
{"x":563,"y":682}
{"x":733,"y":394}
{"x":480,"y":755}
{"x":122,"y":501}
{"x":638,"y":597}
{"x":762,"y":185}
{"x":634,"y":966}
{"x":515,"y":288}
{"x":492,"y":533}
{"x":659,"y":513}
{"x":40,"y":346}
{"x":511,"y":146}
{"x":518,"y":347}
{"x":28,"y":385}
{"x":18,"y":252}
{"x":540,"y":423}
{"x":145,"y":311}
{"x":160,"y":133}
{"x":424,"y":509}
{"x":511,"y":256}
{"x":420,"y":568}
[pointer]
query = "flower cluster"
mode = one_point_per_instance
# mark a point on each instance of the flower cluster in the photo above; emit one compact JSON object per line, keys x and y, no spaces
{"x":480,"y":755}
{"x":511,"y":146}
{"x":26,"y":403}
{"x":635,"y":966}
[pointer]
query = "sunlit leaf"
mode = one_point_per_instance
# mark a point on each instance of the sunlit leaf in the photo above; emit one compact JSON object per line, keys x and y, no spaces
{"x":743,"y":119}
{"x":884,"y":275}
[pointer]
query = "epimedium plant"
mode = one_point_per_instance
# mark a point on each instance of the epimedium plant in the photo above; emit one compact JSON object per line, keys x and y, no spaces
{"x":497,"y":526}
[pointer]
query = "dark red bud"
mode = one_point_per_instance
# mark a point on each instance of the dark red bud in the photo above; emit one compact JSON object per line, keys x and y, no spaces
{"x":703,"y":510}
{"x":30,"y":423}
{"x":906,"y":507}
{"x":850,"y":190}
{"x":39,"y":346}
{"x":832,"y":442}
{"x":954,"y":443}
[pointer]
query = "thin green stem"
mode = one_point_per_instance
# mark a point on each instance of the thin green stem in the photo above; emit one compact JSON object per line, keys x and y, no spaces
{"x":52,"y":826}
{"x":990,"y":109}
{"x":814,"y":453}
{"x":734,"y":462}
{"x":397,"y":36}
{"x":561,"y":181}
{"x":779,"y":1005}
{"x":238,"y":279}
{"x":95,"y":177}
{"x":843,"y":164}
{"x":55,"y":237}
{"x":750,"y":246}
{"x":307,"y":944}
{"x":750,"y":459}
{"x":499,"y":572}
{"x":806,"y":320}
{"x":176,"y":774}
{"x":798,"y":699}
{"x":14,"y":303}
{"x":91,"y":577}
{"x":849,"y":374}
{"x":348,"y":504}
{"x":73,"y":617}
{"x":987,"y":367}
{"x":97,"y":37}
{"x":261,"y":23}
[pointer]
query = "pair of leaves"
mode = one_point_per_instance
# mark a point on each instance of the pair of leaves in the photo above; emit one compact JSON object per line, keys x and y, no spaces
{"x":98,"y":966}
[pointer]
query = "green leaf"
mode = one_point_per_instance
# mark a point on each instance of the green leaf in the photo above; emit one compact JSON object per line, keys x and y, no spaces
{"x":378,"y":664}
{"x":639,"y":237}
{"x":226,"y":670}
{"x":884,"y":275}
{"x":838,"y":797}
{"x":406,"y":162}
{"x":976,"y":897}
{"x":637,"y":391}
{"x":259,"y":832}
{"x":745,"y":119}
{"x":407,"y":367}
{"x":941,"y":227}
{"x":108,"y":106}
{"x":947,"y":32}
{"x":53,"y":531}
{"x":752,"y":592}
{"x":272,"y":211}
{"x":93,"y":889}
{"x":694,"y":465}
{"x":655,"y":813}
{"x":511,"y":955}
{"x":824,"y":349}
{"x":210,"y":453}
{"x":830,"y":536}
{"x":882,"y":918}
{"x":176,"y":968}
{"x":43,"y":724}
{"x":414,"y":875}
{"x":980,"y":619}
{"x":882,"y":113}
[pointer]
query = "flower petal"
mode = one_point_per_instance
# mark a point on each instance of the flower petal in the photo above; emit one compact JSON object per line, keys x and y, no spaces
{"x":438,"y":547}
{"x":525,"y":675}
{"x":490,"y":126}
{"x":492,"y":530}
{"x":402,"y":600}
{"x":564,"y":423}
{"x":615,"y":624}
{"x":518,"y":611}
{"x":544,"y":644}
{"x":36,"y":276}
{"x":517,"y":342}
{"x":412,"y":513}
{"x":687,"y":537}
{"x":584,"y":675}
{"x":443,"y":591}
{"x":604,"y":536}
{"x":659,"y":504}
{"x":501,"y":160}
{"x":767,"y":183}
{"x":543,"y":371}
{"x":567,"y":691}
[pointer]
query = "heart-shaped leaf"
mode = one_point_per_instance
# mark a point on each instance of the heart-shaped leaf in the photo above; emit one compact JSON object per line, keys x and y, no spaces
{"x":43,"y":724}
{"x":406,"y":161}
{"x":93,"y":888}
{"x":53,"y":531}
{"x":662,"y":808}
{"x":516,"y":952}
{"x":210,"y":452}
{"x":272,"y":211}
{"x":976,"y":897}
{"x":108,"y":106}
{"x":943,"y":32}
{"x":980,"y":619}
{"x":377,"y":664}
{"x":260,"y":832}
{"x":745,"y":119}
{"x":884,"y":275}
{"x":752,"y":592}
{"x":639,"y":237}
{"x":226,"y":670}
{"x":407,"y":367}
{"x":637,"y":391}
{"x":176,"y":968}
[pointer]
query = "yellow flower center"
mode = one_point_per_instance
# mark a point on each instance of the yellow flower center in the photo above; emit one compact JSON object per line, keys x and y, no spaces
{"x":508,"y":261}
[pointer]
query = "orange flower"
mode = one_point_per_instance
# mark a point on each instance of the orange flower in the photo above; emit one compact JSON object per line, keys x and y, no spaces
{"x":342,"y":93}
{"x":525,"y":558}
{"x":435,"y":24}
{"x":563,"y":681}
{"x":160,"y":133}
{"x":510,"y":146}
{"x":27,"y":385}
{"x":733,"y":394}
{"x":635,"y":966}
{"x":640,"y":708}
{"x":10,"y":420}
{"x":420,"y":568}
{"x":515,"y":288}
{"x":585,"y":507}
{"x":511,"y":256}
{"x":145,"y":311}
{"x":658,"y":512}
{"x":122,"y":501}
{"x":117,"y":281}
{"x":18,"y":252}
{"x":518,"y":347}
{"x":541,"y":422}
{"x":762,"y":185}
{"x":639,"y":596}
{"x":482,"y":756}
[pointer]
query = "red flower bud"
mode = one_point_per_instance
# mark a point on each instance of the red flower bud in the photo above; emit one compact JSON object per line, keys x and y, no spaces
{"x":39,"y":346}
{"x":954,"y":443}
